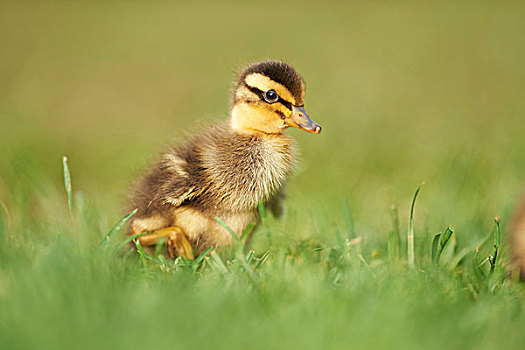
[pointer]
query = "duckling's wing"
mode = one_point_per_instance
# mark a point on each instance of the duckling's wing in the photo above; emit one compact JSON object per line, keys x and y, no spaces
{"x":176,"y":192}
{"x":168,"y":183}
{"x":177,"y":185}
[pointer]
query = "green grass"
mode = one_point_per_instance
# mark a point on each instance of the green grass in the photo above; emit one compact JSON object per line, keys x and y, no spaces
{"x":406,"y":92}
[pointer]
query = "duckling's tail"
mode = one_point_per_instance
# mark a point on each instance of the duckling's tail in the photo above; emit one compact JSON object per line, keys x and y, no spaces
{"x":517,"y":240}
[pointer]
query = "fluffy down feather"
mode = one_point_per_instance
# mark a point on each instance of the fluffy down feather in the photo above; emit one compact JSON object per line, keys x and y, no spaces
{"x":218,"y":172}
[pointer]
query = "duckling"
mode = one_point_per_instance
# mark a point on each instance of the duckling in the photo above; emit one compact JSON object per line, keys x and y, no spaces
{"x":226,"y":170}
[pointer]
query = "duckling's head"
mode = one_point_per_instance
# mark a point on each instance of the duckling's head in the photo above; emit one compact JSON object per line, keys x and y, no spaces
{"x":268,"y":98}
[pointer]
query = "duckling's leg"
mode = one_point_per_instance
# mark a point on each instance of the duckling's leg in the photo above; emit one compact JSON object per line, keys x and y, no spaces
{"x":177,"y":242}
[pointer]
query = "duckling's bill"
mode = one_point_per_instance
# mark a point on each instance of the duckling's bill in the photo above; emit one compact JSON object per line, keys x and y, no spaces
{"x":300,"y":119}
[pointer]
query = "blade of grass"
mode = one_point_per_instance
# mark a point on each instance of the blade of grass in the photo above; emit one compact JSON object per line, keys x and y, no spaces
{"x":236,"y":239}
{"x":117,"y":227}
{"x":152,"y":258}
{"x":497,"y":233}
{"x":249,"y":256}
{"x":67,"y":184}
{"x":240,"y":249}
{"x":485,"y":261}
{"x":497,"y":236}
{"x":228,"y":228}
{"x":435,"y":245}
{"x":445,"y":238}
{"x":439,"y":243}
{"x":141,"y":253}
{"x":262,"y":259}
{"x":198,"y":260}
{"x":410,"y":233}
{"x":247,"y":231}
{"x":131,"y":238}
{"x":262,"y":210}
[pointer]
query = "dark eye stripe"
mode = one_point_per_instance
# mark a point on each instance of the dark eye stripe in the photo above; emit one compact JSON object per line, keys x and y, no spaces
{"x":260,"y":93}
{"x":281,"y":114}
{"x":285,"y":103}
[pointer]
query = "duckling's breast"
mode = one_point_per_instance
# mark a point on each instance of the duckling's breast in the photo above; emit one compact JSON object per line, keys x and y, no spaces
{"x":245,"y":170}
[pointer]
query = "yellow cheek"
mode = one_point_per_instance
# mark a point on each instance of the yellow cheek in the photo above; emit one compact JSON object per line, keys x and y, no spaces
{"x":259,"y":117}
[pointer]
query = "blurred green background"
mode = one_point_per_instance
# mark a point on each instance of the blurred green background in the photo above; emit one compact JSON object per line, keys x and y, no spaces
{"x":406,"y":92}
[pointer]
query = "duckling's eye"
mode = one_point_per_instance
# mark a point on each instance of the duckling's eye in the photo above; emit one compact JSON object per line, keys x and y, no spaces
{"x":271,"y":96}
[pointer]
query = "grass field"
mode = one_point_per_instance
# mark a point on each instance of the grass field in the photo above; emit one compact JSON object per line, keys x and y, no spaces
{"x":407,"y":92}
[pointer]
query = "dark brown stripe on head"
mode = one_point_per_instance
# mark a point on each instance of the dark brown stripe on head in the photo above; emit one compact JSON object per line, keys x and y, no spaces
{"x":281,"y":73}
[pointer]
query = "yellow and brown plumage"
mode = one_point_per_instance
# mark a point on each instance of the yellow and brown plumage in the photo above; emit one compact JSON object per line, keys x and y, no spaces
{"x":225,"y":170}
